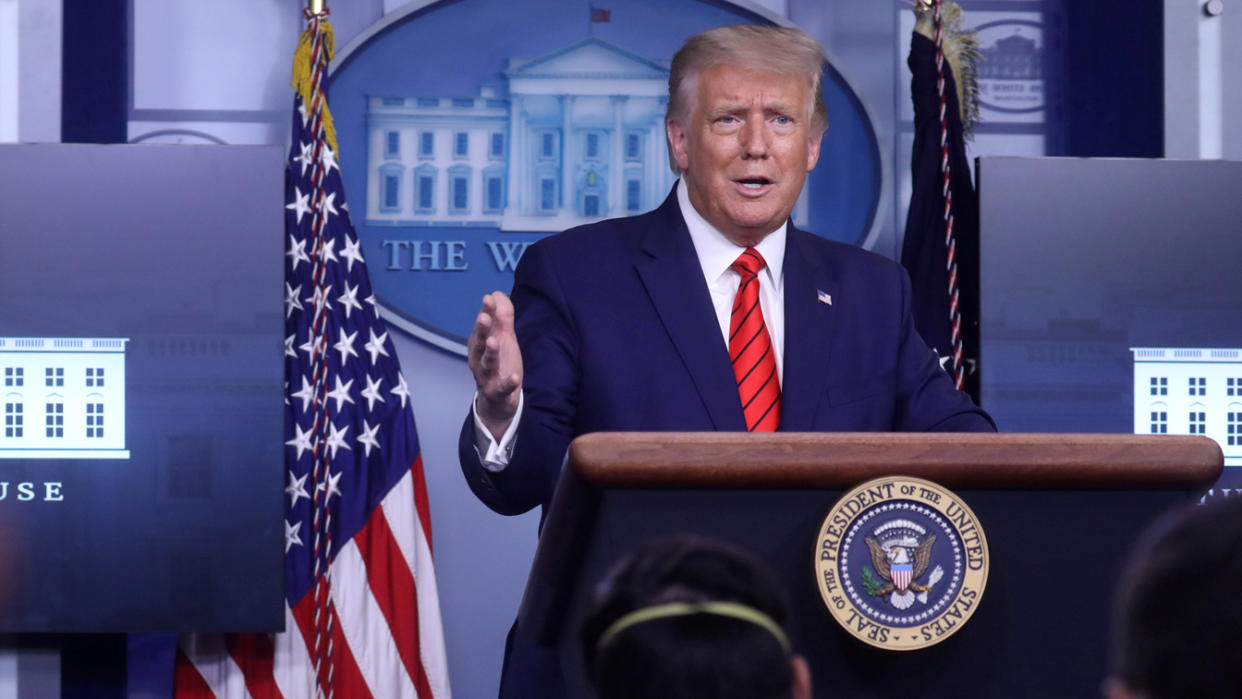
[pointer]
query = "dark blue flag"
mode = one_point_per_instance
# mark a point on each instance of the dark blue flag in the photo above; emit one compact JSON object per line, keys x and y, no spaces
{"x":944,"y":268}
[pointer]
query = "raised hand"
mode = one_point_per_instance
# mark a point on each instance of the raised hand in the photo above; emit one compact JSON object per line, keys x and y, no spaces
{"x":496,"y":362}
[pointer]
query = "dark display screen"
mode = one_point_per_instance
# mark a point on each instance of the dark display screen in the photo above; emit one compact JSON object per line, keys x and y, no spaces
{"x":1112,"y":297}
{"x":141,"y":381}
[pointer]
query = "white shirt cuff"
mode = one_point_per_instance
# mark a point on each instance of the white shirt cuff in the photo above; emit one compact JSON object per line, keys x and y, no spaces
{"x":492,"y":454}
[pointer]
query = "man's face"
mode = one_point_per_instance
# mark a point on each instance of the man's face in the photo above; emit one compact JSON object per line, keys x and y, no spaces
{"x":744,"y":149}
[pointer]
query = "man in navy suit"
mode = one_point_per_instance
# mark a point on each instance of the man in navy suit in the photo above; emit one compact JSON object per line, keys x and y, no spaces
{"x":712,"y":312}
{"x":625,"y":324}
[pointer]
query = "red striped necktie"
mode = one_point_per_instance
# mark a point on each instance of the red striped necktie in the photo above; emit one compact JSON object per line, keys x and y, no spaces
{"x":750,"y":349}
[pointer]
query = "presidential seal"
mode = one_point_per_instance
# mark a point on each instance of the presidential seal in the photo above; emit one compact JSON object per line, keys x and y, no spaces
{"x":901,"y":563}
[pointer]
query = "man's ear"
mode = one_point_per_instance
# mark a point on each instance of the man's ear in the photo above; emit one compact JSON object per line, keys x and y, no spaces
{"x":801,"y":677}
{"x":812,"y":152}
{"x":677,"y":143}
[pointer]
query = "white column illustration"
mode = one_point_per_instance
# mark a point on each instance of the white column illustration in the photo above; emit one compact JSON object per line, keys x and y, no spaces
{"x":616,"y":164}
{"x":654,"y":166}
{"x":568,"y":205}
{"x":517,"y":156}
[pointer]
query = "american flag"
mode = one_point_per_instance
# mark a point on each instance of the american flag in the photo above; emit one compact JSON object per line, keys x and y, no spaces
{"x":362,"y":617}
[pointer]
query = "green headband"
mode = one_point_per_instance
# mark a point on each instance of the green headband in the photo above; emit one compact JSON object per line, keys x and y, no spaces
{"x":673,"y":609}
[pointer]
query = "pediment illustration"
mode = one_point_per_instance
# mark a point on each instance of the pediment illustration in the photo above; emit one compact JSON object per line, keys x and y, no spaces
{"x":590,"y":57}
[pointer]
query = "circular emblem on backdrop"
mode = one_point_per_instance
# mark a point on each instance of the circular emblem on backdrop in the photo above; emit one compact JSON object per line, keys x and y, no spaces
{"x":901,"y":563}
{"x":1011,"y":75}
{"x":457,"y":154}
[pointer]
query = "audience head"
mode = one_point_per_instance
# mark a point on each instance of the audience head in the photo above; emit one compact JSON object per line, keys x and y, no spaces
{"x":1177,"y":631}
{"x":689,"y":618}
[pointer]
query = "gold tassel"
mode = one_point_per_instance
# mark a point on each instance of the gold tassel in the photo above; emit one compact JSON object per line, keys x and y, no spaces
{"x":961,"y":50}
{"x":303,"y":74}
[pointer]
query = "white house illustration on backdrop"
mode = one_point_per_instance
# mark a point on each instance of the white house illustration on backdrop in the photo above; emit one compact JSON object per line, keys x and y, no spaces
{"x":579,"y":138}
{"x":63,"y":398}
{"x":1190,"y":391}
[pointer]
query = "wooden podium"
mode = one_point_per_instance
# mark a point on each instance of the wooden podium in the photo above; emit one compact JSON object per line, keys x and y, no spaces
{"x":1060,"y":512}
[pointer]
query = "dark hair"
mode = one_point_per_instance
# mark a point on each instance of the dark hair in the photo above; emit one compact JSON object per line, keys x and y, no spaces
{"x":701,"y":655}
{"x":1178,"y":621}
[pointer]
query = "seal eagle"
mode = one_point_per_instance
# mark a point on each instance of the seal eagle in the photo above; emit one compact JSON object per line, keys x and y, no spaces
{"x":902,"y":589}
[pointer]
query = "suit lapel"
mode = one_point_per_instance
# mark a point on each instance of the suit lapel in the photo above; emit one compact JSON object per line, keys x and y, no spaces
{"x":669,"y":269}
{"x":809,"y":324}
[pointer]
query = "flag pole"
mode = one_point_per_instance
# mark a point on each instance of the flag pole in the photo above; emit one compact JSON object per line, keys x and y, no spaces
{"x":319,"y":47}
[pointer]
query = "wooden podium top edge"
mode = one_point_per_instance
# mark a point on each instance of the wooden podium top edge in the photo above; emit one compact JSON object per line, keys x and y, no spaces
{"x":840,"y":460}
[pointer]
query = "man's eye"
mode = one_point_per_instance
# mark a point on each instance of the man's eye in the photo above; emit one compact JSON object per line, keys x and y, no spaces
{"x":783,"y":120}
{"x":726,"y":120}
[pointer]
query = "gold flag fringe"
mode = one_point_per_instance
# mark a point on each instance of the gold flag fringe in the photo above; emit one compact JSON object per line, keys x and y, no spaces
{"x":303,"y":77}
{"x":961,"y":49}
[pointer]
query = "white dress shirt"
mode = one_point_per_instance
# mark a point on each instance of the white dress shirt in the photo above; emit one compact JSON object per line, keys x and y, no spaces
{"x":716,"y":253}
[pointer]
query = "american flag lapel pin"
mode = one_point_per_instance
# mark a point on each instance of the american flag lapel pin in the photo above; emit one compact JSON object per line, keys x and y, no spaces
{"x":823,"y":297}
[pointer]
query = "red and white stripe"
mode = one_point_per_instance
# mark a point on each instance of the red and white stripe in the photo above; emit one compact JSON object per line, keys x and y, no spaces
{"x":901,"y":578}
{"x":385,"y":628}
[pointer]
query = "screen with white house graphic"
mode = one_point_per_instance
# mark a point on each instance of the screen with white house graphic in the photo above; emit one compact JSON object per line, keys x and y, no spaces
{"x":1111,"y":297}
{"x":64,"y":398}
{"x":141,"y":387}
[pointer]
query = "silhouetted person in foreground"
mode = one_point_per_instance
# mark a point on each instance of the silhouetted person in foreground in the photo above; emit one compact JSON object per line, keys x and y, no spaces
{"x":687,"y":618}
{"x":1178,"y":622}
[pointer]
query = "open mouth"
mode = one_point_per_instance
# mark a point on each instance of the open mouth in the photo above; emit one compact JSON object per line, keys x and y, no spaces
{"x":754,"y":183}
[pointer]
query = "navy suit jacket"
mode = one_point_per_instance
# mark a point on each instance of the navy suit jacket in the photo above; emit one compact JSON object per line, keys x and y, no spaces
{"x":618,"y":333}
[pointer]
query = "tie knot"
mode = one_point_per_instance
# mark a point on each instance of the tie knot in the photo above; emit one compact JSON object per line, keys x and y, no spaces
{"x":749,"y":263}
